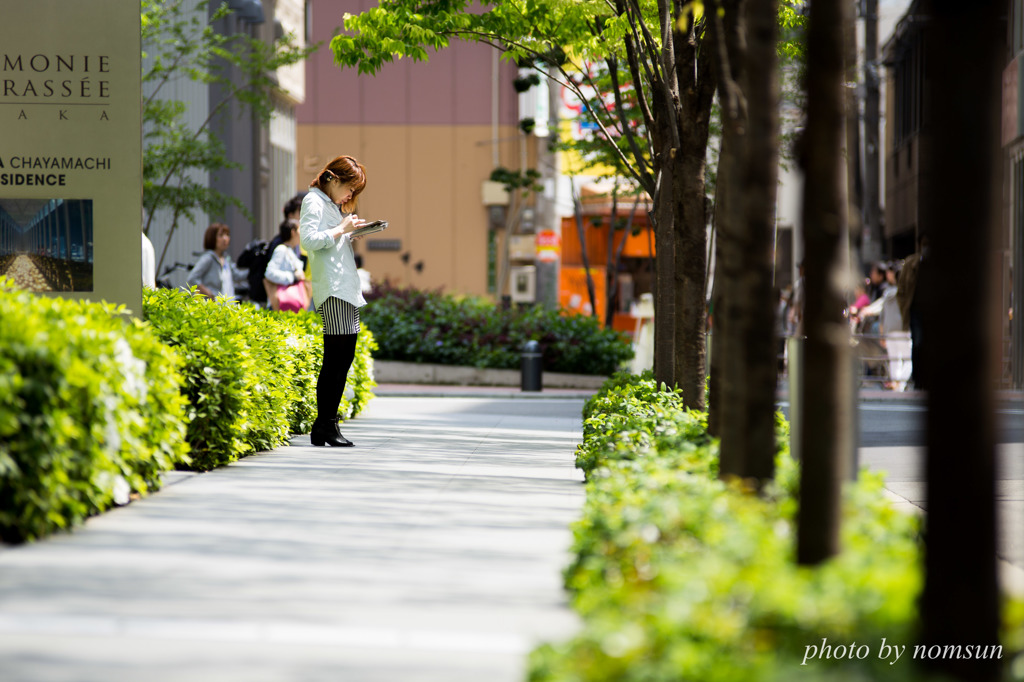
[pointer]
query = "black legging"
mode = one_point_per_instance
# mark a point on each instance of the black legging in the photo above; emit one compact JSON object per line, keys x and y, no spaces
{"x":339,"y":351}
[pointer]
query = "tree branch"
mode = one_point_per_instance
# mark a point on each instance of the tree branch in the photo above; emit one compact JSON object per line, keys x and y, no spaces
{"x":643,"y":167}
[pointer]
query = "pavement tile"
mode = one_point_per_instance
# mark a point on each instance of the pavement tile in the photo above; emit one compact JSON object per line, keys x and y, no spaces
{"x":433,"y":550}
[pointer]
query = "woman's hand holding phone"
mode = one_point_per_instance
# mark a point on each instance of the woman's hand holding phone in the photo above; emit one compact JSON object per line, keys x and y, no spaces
{"x":349,"y":224}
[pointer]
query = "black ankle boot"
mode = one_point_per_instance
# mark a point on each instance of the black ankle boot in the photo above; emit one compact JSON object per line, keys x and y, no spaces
{"x":328,"y":433}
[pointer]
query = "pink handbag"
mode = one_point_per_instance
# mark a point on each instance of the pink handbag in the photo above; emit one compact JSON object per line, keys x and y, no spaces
{"x":293,"y":297}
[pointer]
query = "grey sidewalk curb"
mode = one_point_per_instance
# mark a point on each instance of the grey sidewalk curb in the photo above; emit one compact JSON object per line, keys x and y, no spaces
{"x":392,"y":372}
{"x":505,"y":393}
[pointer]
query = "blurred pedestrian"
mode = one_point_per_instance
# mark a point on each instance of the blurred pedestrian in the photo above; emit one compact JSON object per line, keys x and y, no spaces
{"x":910,"y":309}
{"x":148,"y":263}
{"x":876,"y":281}
{"x":285,"y":274}
{"x":861,"y":300}
{"x":782,"y":330}
{"x":327,"y":218}
{"x":365,"y":281}
{"x":292,"y":210}
{"x":796,"y":306}
{"x":896,"y":340}
{"x":214,"y":274}
{"x":293,"y":207}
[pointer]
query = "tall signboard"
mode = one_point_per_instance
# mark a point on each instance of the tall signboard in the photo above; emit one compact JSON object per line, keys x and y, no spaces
{"x":71,"y":148}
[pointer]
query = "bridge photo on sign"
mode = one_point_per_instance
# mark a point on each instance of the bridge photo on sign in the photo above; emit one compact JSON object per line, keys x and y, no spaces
{"x":46,"y":244}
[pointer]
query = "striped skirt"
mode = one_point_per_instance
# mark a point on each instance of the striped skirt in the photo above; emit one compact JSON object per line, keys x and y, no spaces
{"x":340,"y":317}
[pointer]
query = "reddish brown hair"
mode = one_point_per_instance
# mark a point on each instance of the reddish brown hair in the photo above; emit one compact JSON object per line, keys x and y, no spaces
{"x":212,"y":232}
{"x":348,"y":171}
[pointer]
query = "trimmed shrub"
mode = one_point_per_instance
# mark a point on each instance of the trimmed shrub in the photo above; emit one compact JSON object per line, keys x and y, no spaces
{"x":94,"y":405}
{"x":427,"y":326}
{"x":681,"y":576}
{"x":249,"y":375}
{"x":90,"y":411}
{"x":630,"y":416}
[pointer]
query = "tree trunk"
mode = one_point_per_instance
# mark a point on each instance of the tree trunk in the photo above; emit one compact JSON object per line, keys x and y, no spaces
{"x":611,"y":264}
{"x":745,"y":319}
{"x":696,"y":92}
{"x":960,"y":199}
{"x":665,"y":96}
{"x":720,"y":294}
{"x":756,"y":440}
{"x":664,"y":279}
{"x":581,"y":233}
{"x":690,"y":275}
{"x":727,"y":38}
{"x":826,"y":425}
{"x":615,"y":258}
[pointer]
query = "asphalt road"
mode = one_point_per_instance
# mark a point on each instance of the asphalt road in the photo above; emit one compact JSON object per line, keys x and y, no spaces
{"x":902,"y":423}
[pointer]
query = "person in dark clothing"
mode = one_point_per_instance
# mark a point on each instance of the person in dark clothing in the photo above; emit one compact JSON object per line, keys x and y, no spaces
{"x":907,"y":295}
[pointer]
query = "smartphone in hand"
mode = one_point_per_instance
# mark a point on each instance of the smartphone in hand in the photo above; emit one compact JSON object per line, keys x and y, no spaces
{"x":369,"y":228}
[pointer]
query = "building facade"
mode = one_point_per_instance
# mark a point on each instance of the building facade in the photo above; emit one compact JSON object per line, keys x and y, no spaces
{"x":429,"y":134}
{"x":1013,"y":194}
{"x":904,"y":96}
{"x":907,"y":171}
{"x":264,"y":152}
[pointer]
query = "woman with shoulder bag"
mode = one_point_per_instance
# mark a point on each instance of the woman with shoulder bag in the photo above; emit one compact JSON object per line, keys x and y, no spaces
{"x":286,"y":273}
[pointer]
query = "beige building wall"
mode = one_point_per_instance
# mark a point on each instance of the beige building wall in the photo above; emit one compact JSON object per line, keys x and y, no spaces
{"x":430,"y":134}
{"x":425,"y":180}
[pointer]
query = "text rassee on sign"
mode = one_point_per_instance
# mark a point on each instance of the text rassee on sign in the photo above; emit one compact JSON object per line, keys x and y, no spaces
{"x":71,"y":149}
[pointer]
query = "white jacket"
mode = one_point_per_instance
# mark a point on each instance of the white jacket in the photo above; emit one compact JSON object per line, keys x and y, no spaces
{"x":332,"y":262}
{"x":282,"y":265}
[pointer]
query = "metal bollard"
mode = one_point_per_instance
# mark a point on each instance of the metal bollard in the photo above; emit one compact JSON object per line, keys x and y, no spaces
{"x":532,"y":367}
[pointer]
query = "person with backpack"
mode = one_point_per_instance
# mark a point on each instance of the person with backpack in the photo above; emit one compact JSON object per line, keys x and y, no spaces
{"x":257,"y":255}
{"x":326,"y":222}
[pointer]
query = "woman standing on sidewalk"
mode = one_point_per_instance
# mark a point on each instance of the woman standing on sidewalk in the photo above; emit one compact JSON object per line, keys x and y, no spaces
{"x":325,"y":222}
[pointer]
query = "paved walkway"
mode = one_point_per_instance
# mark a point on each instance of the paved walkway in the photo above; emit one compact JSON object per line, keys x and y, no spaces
{"x":905,"y":482}
{"x":431,"y":551}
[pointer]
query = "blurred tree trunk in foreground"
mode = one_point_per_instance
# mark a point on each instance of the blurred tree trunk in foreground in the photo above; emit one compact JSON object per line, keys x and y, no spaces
{"x":964,"y":50}
{"x":825,"y":433}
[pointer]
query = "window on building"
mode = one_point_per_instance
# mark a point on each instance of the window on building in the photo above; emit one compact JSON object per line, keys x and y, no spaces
{"x":309,"y":22}
{"x":908,"y":86}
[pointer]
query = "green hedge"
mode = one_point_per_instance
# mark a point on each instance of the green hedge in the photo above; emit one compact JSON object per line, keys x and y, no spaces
{"x":94,"y":405}
{"x":427,"y":326}
{"x":90,"y":410}
{"x":681,"y":576}
{"x":631,"y":415}
{"x":249,"y":375}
